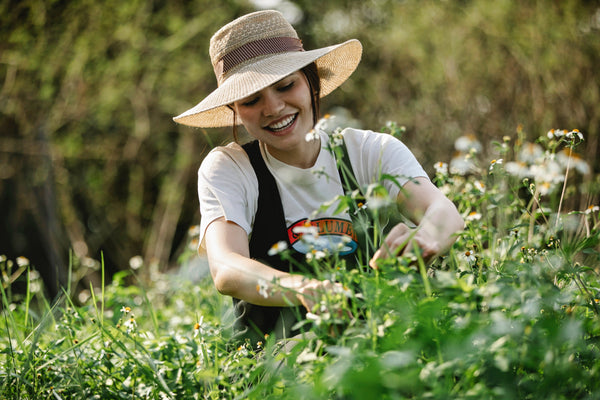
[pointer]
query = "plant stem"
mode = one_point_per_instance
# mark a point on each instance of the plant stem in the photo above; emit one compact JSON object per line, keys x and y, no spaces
{"x":564,"y":188}
{"x":422,"y":270}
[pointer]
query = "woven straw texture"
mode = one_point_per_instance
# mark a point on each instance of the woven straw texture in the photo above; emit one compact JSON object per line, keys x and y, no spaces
{"x":335,"y":64}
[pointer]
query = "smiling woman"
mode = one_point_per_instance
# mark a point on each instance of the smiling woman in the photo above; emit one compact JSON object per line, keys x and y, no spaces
{"x":266,"y":196}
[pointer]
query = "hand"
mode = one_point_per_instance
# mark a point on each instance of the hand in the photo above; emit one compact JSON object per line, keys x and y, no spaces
{"x":310,"y":293}
{"x":310,"y":296}
{"x":401,"y":241}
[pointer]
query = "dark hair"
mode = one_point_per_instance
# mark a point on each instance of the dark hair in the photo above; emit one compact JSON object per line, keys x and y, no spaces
{"x":314,"y":85}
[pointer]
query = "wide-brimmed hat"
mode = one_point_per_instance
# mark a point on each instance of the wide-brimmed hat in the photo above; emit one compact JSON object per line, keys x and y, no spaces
{"x":257,"y":50}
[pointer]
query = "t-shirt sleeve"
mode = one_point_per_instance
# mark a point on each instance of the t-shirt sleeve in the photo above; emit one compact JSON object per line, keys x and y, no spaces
{"x":227,"y":187}
{"x":373,"y":154}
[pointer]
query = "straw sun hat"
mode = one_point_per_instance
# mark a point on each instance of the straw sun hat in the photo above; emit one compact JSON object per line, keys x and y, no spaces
{"x":257,"y":50}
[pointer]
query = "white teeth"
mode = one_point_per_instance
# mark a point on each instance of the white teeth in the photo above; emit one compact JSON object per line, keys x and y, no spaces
{"x":282,"y":124}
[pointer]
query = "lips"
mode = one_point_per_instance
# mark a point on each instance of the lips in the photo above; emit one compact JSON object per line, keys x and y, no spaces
{"x":282,"y":124}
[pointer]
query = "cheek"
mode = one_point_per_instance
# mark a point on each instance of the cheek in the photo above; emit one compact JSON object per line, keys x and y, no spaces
{"x":244,"y":115}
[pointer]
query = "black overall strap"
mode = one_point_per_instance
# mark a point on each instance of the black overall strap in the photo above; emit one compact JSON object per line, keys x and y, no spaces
{"x":252,"y":321}
{"x":269,"y":220}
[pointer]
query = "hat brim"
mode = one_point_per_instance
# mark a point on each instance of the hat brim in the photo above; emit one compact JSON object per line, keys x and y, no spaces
{"x":335,"y":64}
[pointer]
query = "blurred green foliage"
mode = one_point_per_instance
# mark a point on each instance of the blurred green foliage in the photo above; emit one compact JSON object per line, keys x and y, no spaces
{"x":91,"y":160}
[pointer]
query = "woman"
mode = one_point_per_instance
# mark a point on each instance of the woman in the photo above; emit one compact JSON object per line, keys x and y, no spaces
{"x":265,"y":193}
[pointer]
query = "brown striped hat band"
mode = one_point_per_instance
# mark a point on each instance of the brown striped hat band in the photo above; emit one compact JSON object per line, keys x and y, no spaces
{"x":256,"y":51}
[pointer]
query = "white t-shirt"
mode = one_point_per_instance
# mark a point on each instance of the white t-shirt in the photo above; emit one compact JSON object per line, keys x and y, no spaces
{"x":228,"y":187}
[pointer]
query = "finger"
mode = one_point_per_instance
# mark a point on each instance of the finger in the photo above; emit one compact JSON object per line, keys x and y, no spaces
{"x":423,"y":247}
{"x":390,"y":248}
{"x":374,"y":259}
{"x":399,"y":229}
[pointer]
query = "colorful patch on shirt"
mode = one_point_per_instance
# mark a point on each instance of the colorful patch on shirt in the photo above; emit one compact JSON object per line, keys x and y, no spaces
{"x":332,"y":234}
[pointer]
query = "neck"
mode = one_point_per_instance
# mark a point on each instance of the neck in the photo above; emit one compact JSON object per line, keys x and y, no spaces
{"x":302,"y":156}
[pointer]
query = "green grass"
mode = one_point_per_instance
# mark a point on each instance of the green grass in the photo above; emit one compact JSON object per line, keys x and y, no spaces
{"x":512,"y":311}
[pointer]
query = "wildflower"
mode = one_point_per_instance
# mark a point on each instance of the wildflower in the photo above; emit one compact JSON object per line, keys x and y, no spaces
{"x":125,"y":310}
{"x":531,"y":153}
{"x":315,"y":254}
{"x":343,"y":290}
{"x":136,"y":262}
{"x":592,"y":209}
{"x":441,"y":168}
{"x":462,"y":164}
{"x":480,"y":186}
{"x":263,"y":288}
{"x":473,"y":216}
{"x":306,"y":229}
{"x":467,"y":144}
{"x":469,"y":256}
{"x":314,"y":317}
{"x":309,"y":235}
{"x":544,"y":188}
{"x":242,"y":351}
{"x":193,"y":244}
{"x":574,"y":134}
{"x":550,"y":171}
{"x":324,"y":123}
{"x":338,"y":139}
{"x":3,"y":258}
{"x":342,"y":245}
{"x":312,"y":135}
{"x":359,"y":207}
{"x":518,"y":169}
{"x":377,"y":196}
{"x":130,"y":325}
{"x":198,"y":326}
{"x":494,"y":162}
{"x":194,"y":230}
{"x":22,"y":261}
{"x":277,"y":248}
{"x":556,"y":133}
{"x":569,"y":157}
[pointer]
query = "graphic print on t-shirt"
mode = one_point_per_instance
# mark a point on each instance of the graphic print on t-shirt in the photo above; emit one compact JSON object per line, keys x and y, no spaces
{"x":332,"y":234}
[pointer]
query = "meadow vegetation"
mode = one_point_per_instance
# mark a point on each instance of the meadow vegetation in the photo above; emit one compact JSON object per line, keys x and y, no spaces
{"x":511,"y":311}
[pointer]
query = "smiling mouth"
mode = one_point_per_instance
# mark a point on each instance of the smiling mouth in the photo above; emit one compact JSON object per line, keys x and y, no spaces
{"x":283,"y":124}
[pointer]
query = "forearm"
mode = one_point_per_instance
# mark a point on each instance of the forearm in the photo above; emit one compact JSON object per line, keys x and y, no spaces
{"x":241,"y":277}
{"x":441,"y":222}
{"x":236,"y":274}
{"x":437,"y":221}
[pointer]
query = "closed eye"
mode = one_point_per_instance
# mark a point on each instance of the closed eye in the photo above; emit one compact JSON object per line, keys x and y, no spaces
{"x":286,"y":87}
{"x":251,"y":102}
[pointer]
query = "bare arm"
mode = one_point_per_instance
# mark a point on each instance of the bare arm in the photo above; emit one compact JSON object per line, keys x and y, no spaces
{"x":236,"y":274}
{"x":437,"y":218}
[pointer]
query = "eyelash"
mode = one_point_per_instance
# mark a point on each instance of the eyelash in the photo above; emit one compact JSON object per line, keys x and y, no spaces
{"x":286,"y":87}
{"x":279,"y":89}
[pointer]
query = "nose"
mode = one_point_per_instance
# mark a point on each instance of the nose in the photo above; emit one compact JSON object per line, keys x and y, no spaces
{"x":273,"y":103}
